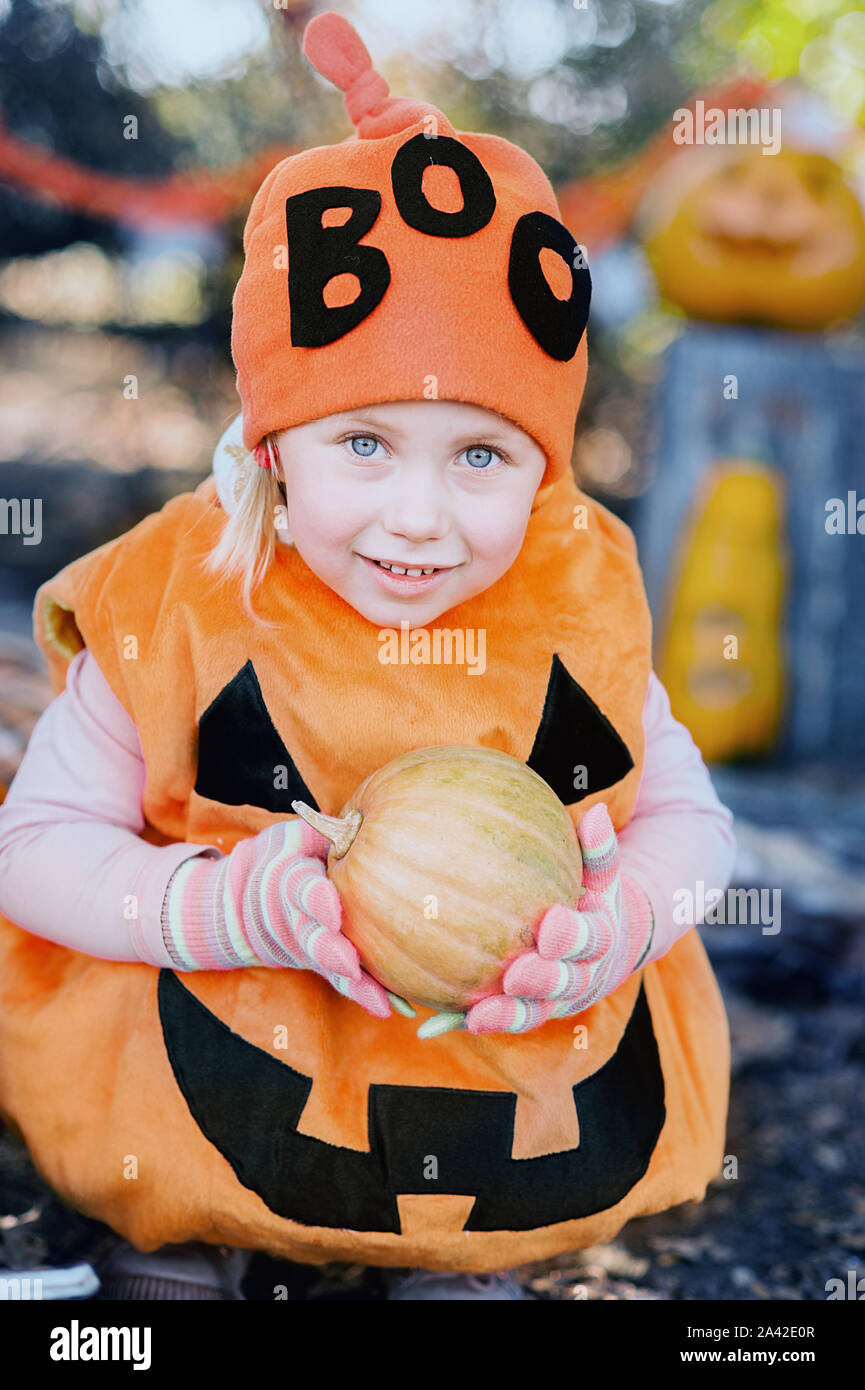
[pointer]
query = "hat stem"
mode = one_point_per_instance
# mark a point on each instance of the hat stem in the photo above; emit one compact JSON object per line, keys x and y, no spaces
{"x":336,"y":50}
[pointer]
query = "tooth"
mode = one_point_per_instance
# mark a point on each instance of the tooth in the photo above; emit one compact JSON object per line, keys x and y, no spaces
{"x":415,"y":574}
{"x":430,"y":571}
{"x":396,"y":569}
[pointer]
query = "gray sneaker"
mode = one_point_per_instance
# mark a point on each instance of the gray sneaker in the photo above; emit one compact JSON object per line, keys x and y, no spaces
{"x":427,"y":1284}
{"x":195,"y":1270}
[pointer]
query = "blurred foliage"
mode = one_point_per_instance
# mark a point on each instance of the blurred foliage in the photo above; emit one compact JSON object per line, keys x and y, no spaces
{"x":615,"y":72}
{"x":597,"y":84}
{"x":822,"y":41}
{"x":580,"y":89}
{"x":589,"y":91}
{"x":618,"y":79}
{"x":57,"y":90}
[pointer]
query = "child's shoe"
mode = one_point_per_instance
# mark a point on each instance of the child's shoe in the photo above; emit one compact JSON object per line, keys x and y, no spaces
{"x":194,"y":1270}
{"x":427,"y":1284}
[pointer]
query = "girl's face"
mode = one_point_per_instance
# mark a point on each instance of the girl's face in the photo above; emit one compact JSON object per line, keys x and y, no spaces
{"x":378,"y":494}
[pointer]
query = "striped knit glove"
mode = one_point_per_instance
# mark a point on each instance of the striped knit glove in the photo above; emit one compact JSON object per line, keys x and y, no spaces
{"x":268,"y":902}
{"x":582,"y":954}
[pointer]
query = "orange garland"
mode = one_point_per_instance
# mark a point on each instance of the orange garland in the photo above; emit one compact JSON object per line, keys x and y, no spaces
{"x":198,"y":196}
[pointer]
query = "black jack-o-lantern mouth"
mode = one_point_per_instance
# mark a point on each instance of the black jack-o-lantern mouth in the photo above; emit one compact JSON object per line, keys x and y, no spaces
{"x":248,"y":1105}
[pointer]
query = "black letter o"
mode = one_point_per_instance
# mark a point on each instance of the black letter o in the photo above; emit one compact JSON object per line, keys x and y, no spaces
{"x":406,"y":176}
{"x":557,"y":325}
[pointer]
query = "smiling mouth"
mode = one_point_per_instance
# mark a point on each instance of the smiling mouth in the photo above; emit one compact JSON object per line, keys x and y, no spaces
{"x":411,"y":571}
{"x":755,"y":245}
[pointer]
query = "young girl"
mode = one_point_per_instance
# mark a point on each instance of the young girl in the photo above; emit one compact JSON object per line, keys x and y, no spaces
{"x":189,"y":1046}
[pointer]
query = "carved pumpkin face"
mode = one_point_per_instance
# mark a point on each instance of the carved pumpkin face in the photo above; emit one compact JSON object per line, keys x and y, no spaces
{"x":384,"y":1114}
{"x":744,"y":237}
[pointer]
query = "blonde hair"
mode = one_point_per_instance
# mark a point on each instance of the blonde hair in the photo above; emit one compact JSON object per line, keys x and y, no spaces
{"x":249,"y":540}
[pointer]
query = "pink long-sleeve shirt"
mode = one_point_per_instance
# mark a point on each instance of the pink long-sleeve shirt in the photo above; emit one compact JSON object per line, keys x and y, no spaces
{"x":74,"y":870}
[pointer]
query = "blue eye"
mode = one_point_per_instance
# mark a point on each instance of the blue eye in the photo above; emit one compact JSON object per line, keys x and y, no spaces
{"x":367,"y":442}
{"x":479,"y":456}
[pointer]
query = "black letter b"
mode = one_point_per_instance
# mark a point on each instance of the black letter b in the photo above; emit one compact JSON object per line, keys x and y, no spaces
{"x":316,"y":254}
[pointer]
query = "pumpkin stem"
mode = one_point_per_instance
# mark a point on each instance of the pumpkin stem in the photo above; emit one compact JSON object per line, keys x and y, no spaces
{"x":340,"y":830}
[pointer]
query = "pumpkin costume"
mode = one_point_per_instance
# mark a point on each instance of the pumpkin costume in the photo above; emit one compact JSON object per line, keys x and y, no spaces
{"x":259,"y":1107}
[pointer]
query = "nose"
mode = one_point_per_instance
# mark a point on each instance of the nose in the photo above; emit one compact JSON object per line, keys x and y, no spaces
{"x":416,"y":508}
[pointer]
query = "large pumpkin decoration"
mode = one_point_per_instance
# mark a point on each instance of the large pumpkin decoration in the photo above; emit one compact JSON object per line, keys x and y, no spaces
{"x":739,"y":236}
{"x":445,"y":860}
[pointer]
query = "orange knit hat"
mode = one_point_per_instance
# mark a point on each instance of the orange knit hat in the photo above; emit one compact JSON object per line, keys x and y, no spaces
{"x":409,"y":262}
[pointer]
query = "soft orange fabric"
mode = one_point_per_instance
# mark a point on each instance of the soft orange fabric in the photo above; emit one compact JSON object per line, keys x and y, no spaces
{"x":447,"y":326}
{"x":113,"y":1106}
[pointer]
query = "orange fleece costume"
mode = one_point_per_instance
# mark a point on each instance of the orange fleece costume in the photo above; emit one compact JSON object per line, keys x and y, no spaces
{"x":259,"y":1107}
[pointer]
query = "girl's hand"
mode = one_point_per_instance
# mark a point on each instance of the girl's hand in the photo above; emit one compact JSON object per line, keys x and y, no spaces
{"x":581,"y":954}
{"x":268,"y":902}
{"x":296,"y":912}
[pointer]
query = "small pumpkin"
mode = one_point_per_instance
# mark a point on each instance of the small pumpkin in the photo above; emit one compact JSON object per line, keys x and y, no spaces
{"x":445,"y":860}
{"x":737,"y":236}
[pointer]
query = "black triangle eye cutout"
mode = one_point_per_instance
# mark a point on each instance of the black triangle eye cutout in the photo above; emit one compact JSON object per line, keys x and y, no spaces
{"x":574,"y":734}
{"x":240,"y":753}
